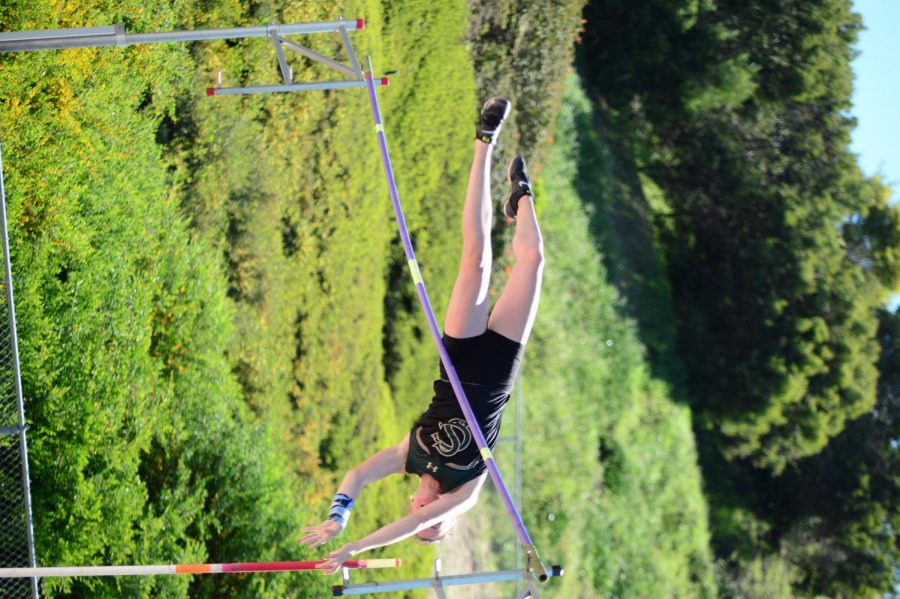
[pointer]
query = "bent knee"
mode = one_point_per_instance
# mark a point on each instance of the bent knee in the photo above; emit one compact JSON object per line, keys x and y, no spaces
{"x":531,"y":254}
{"x":475,"y":261}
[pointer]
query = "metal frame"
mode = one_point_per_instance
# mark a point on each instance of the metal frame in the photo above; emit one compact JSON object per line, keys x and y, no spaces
{"x":438,"y":583}
{"x":114,"y":35}
{"x":21,"y":427}
{"x":516,"y":440}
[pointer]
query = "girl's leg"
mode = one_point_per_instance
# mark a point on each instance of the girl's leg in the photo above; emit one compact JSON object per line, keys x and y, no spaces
{"x":513,"y":315}
{"x":467,"y":314}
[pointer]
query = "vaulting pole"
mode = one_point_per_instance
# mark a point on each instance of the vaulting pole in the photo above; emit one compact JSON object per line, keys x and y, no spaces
{"x":234,"y":568}
{"x":534,"y":560}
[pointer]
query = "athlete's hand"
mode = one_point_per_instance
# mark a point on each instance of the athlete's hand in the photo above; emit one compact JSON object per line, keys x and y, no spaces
{"x":336,"y":558}
{"x":320,"y":534}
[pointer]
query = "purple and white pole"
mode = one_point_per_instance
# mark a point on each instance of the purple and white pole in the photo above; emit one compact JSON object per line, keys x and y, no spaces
{"x":534,"y":560}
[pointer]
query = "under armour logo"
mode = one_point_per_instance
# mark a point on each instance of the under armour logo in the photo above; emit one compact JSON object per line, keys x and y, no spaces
{"x":452,"y":437}
{"x":428,"y":466}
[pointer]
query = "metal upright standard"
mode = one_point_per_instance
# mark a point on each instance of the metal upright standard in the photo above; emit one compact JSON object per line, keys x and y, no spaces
{"x":15,"y":521}
{"x":438,"y":582}
{"x":92,"y":37}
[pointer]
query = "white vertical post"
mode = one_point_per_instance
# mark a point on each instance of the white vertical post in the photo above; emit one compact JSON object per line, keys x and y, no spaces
{"x":436,"y":583}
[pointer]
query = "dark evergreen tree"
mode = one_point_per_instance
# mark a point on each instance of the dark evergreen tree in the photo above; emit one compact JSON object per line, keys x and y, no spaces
{"x":841,"y":508}
{"x":779,"y":253}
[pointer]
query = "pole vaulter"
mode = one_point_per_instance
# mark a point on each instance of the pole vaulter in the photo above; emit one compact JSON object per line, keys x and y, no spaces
{"x":534,"y":560}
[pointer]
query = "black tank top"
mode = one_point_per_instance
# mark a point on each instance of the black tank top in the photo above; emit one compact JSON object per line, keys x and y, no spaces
{"x":441,"y":442}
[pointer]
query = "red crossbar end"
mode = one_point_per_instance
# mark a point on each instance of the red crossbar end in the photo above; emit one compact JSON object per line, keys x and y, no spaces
{"x":210,"y":91}
{"x":385,"y":81}
{"x":360,"y":24}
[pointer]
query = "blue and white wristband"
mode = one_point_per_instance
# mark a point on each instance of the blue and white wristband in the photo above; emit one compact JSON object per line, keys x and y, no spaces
{"x":340,"y":509}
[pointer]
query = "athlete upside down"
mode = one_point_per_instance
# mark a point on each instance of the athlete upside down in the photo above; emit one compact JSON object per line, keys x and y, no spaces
{"x":486,"y":350}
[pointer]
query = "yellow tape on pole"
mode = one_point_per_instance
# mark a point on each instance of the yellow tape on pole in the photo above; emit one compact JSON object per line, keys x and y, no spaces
{"x":416,"y":273}
{"x":486,"y":454}
{"x":379,"y":128}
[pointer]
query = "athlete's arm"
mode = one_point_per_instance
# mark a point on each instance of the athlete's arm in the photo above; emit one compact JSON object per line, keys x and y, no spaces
{"x":381,"y":465}
{"x":446,"y":506}
{"x":384,"y":463}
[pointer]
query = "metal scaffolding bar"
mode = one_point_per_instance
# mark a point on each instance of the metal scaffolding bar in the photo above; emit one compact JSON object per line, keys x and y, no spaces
{"x":426,"y":583}
{"x":294,"y":87}
{"x":313,"y":55}
{"x":348,"y":47}
{"x":286,"y":73}
{"x":86,"y":37}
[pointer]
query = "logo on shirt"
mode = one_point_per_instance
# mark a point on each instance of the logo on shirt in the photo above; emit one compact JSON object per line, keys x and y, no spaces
{"x":452,"y":437}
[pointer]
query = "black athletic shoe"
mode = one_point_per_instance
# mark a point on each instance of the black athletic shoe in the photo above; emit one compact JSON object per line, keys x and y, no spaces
{"x":519,"y":184}
{"x":493,"y":113}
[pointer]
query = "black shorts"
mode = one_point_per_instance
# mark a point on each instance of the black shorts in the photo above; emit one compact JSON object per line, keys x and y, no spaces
{"x":488,"y":359}
{"x":440,"y":443}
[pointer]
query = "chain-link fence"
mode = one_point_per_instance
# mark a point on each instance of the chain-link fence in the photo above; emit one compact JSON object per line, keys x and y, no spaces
{"x":16,"y":543}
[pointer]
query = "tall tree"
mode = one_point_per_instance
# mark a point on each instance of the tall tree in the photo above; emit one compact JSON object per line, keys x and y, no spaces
{"x":779,"y":251}
{"x":842,"y":506}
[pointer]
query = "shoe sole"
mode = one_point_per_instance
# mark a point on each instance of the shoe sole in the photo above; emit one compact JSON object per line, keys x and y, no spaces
{"x":509,"y":174}
{"x":505,"y":112}
{"x":509,"y":177}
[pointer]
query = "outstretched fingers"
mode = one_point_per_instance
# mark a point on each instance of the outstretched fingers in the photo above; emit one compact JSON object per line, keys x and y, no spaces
{"x":315,"y":536}
{"x":334,"y":560}
{"x":329,"y":566}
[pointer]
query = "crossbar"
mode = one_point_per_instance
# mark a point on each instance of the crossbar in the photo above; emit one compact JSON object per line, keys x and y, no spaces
{"x":167,"y":569}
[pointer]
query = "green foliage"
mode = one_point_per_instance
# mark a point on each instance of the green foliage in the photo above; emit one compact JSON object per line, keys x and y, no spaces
{"x":523,"y":50}
{"x":616,"y":495}
{"x":757,"y":184}
{"x":778,"y":252}
{"x":142,"y":448}
{"x":761,"y":578}
{"x":843,"y":508}
{"x":873,"y":236}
